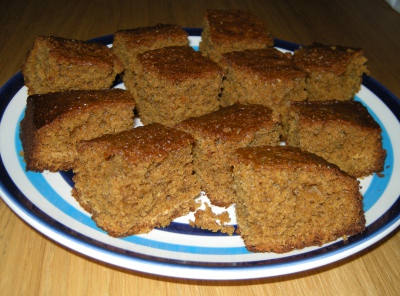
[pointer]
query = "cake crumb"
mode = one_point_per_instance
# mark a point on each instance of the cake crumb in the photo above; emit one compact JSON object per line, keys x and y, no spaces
{"x":206,"y":219}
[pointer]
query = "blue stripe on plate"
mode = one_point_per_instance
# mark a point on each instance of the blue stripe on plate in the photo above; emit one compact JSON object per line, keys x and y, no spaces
{"x":378,"y":184}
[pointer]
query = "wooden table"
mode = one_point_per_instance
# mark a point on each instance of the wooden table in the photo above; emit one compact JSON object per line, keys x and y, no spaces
{"x":31,"y":264}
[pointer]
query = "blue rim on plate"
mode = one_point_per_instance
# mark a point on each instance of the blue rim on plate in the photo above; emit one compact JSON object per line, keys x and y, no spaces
{"x":201,"y":269}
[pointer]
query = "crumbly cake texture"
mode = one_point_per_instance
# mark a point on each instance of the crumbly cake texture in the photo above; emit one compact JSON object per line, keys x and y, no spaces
{"x":53,"y":124}
{"x":56,"y":64}
{"x":136,"y":180}
{"x":262,"y":76}
{"x":290,"y":199}
{"x":218,"y":134}
{"x":206,"y":219}
{"x":175,"y":83}
{"x":333,"y":72}
{"x":342,"y":132}
{"x":232,"y":30}
{"x":128,"y":43}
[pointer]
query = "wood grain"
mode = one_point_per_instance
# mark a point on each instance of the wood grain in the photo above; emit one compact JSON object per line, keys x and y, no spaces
{"x":31,"y":264}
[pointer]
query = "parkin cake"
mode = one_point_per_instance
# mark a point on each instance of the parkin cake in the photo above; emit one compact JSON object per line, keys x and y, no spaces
{"x":232,"y":30}
{"x":53,"y":124}
{"x":56,"y":64}
{"x":333,"y":72}
{"x":175,"y":83}
{"x":342,"y":132}
{"x":136,"y":180}
{"x":288,"y":199}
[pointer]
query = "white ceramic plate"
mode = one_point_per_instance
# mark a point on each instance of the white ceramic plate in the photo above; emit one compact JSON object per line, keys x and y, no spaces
{"x":44,"y":201}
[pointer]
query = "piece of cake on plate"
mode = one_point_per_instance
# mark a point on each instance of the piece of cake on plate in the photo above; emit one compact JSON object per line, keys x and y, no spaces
{"x":333,"y":72}
{"x":342,"y":132}
{"x":55,"y":122}
{"x":56,"y":64}
{"x":232,"y":30}
{"x":288,"y":199}
{"x":136,"y":180}
{"x":175,"y":83}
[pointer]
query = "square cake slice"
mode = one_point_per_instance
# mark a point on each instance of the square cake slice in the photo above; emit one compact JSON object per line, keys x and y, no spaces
{"x":175,"y":83}
{"x":56,"y":64}
{"x":128,"y":43}
{"x":262,"y":76}
{"x":53,"y":123}
{"x":288,"y":199}
{"x":232,"y":30}
{"x":136,"y":180}
{"x":342,"y":132}
{"x":218,"y":134}
{"x":333,"y":72}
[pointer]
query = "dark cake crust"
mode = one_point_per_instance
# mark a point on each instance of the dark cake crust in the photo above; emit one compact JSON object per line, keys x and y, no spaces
{"x":268,"y":63}
{"x":324,"y":57}
{"x":148,"y":36}
{"x":233,"y":26}
{"x":233,"y":123}
{"x":178,"y":63}
{"x":349,"y":112}
{"x":152,"y":142}
{"x":56,"y":106}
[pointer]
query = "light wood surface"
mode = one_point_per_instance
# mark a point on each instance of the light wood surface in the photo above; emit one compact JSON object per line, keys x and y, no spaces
{"x":31,"y":264}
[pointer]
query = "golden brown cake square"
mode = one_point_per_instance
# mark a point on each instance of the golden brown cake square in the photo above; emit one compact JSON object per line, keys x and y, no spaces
{"x":232,"y":30}
{"x":56,"y":64}
{"x":262,"y":76}
{"x":333,"y":72}
{"x":342,"y":132}
{"x":288,"y":199}
{"x":136,"y":180}
{"x":218,"y":134}
{"x":175,"y":83}
{"x":53,"y":123}
{"x":128,"y":43}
